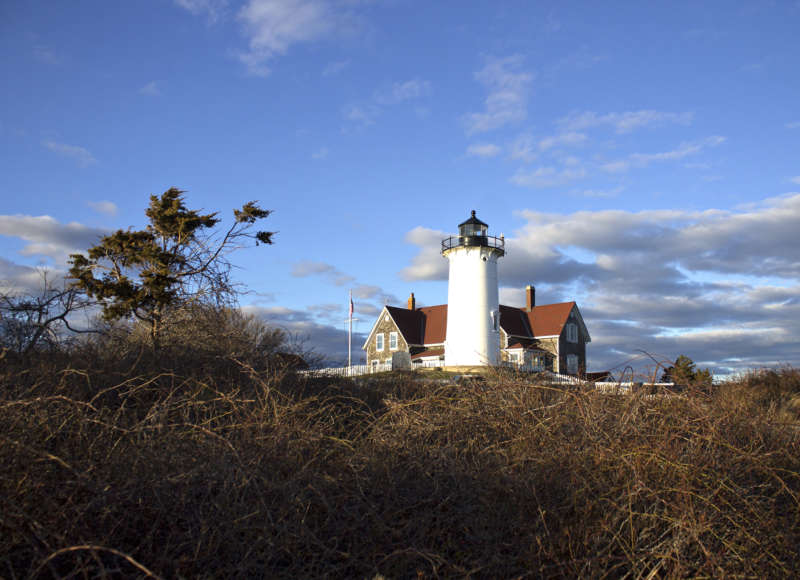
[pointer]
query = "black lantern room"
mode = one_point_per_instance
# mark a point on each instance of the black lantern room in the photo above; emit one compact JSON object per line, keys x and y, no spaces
{"x":473,"y":232}
{"x":472,"y":227}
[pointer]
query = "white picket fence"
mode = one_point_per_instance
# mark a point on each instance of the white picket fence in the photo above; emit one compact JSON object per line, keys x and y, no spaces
{"x":559,"y":379}
{"x":426,"y":364}
{"x":351,"y":371}
{"x":361,"y":370}
{"x":629,"y":387}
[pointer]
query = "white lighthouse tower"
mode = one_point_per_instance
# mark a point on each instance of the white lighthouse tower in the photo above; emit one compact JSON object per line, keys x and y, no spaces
{"x":473,"y":311}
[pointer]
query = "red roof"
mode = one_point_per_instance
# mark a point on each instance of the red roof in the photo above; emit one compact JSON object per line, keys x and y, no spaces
{"x":428,"y":325}
{"x":514,"y":321}
{"x":549,"y":319}
{"x":428,"y":352}
{"x":521,"y":343}
{"x":435,"y":323}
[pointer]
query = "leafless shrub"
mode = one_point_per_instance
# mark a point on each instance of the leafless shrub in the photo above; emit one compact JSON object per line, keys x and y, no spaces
{"x":174,"y":472}
{"x":39,"y":320}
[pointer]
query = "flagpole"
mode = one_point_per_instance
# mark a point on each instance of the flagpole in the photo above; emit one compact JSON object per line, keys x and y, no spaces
{"x":350,"y":336}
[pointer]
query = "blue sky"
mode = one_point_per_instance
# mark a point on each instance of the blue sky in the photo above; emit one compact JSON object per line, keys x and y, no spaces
{"x":640,"y":158}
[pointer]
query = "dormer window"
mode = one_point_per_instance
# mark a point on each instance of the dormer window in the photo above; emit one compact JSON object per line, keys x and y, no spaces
{"x":572,"y":332}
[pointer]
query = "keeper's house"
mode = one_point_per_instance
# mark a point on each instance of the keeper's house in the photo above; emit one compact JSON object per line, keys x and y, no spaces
{"x":473,"y":328}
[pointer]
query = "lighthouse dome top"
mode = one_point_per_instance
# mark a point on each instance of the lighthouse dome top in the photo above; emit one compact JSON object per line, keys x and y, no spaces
{"x":473,"y":233}
{"x":472,"y":227}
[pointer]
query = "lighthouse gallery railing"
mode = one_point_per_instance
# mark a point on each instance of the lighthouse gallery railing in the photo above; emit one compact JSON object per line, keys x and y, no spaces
{"x":485,"y":241}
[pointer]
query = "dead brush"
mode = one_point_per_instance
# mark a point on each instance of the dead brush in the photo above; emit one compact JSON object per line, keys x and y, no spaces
{"x":250,"y":472}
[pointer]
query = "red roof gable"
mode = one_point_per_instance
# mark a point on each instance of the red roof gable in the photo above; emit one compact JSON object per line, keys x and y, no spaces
{"x":549,"y":319}
{"x":426,"y":325}
{"x":409,"y":322}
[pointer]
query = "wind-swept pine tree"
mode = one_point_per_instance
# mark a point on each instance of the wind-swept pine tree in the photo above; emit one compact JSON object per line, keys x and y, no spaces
{"x":178,"y":259}
{"x":684,"y":372}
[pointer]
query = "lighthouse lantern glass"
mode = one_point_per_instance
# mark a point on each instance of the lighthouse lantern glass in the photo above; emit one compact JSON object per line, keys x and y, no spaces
{"x":473,"y":229}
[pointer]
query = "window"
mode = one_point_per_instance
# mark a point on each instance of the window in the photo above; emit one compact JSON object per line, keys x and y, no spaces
{"x":572,"y":332}
{"x":392,"y":341}
{"x":495,"y":319}
{"x":379,"y":342}
{"x":513,"y":358}
{"x":572,"y":364}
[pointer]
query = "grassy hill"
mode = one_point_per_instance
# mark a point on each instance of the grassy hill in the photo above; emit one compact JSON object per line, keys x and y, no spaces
{"x":121,"y":465}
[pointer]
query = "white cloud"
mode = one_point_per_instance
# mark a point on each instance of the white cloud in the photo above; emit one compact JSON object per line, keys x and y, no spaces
{"x":543,"y":177}
{"x":403,"y":91}
{"x":47,"y":236}
{"x":506,"y":102}
{"x":273,"y":26}
{"x":616,"y":166}
{"x":527,"y":149}
{"x":483,"y":150}
{"x":564,"y":139}
{"x":108,"y":208}
{"x":793,"y":125}
{"x":623,"y":122}
{"x":150,"y":89}
{"x":683,"y":150}
{"x":307,"y":268}
{"x":319,"y":342}
{"x":79,"y":154}
{"x":363,"y":115}
{"x":213,"y":9}
{"x":320,"y":154}
{"x":428,"y":263}
{"x":523,"y":149}
{"x":644,"y":159}
{"x":15,"y":278}
{"x":376,"y":293}
{"x":795,"y":180}
{"x":601,"y":193}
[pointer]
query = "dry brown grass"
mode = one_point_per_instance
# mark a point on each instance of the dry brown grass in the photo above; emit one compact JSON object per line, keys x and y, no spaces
{"x":117,"y":467}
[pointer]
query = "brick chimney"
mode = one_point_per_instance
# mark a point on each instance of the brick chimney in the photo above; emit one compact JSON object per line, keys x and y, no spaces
{"x":411,"y":302}
{"x":530,"y":293}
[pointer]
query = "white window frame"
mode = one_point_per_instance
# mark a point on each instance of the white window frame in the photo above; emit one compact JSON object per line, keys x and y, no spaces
{"x":572,"y":363}
{"x":379,"y":342}
{"x":572,"y":332}
{"x":393,"y":342}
